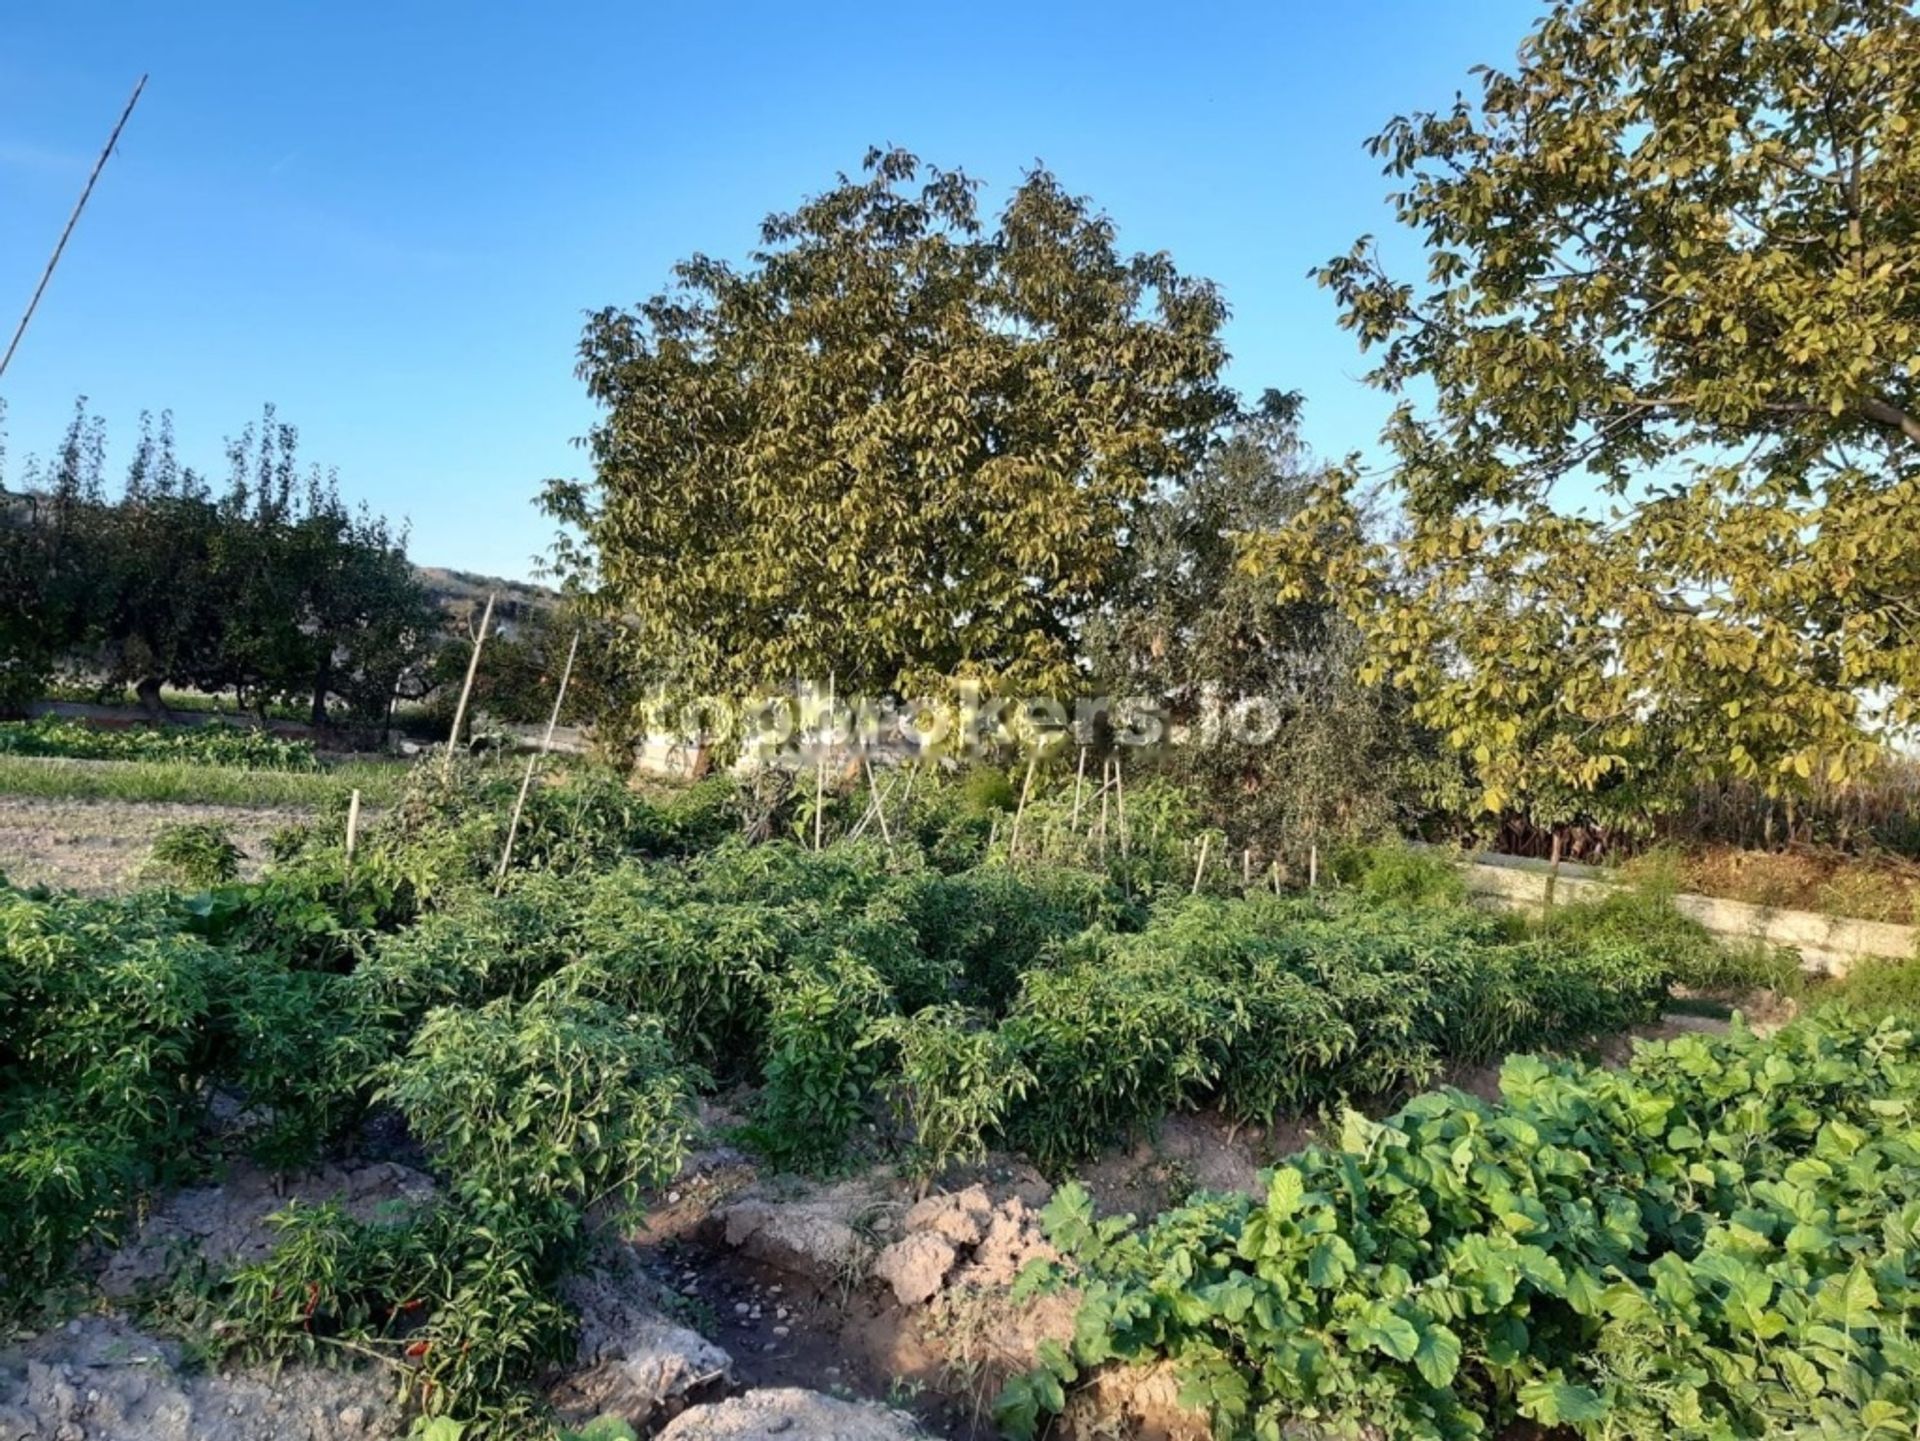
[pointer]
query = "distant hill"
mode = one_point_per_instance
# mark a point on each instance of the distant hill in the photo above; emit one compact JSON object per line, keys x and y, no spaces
{"x":462,"y":592}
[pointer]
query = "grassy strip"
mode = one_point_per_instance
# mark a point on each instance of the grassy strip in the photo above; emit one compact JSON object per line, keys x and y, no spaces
{"x":55,"y":778}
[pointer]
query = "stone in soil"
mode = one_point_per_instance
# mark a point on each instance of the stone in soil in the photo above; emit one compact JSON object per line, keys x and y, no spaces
{"x":634,"y":1361}
{"x":100,"y":1379}
{"x":790,"y":1414}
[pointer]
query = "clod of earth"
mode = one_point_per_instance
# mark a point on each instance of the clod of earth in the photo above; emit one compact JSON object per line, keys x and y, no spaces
{"x":638,"y":1365}
{"x":790,"y":1414}
{"x":810,"y":1238}
{"x":99,"y":1379}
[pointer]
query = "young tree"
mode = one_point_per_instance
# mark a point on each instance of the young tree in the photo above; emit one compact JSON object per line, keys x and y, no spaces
{"x":895,"y":446}
{"x":1660,"y":456}
{"x":1279,"y":732}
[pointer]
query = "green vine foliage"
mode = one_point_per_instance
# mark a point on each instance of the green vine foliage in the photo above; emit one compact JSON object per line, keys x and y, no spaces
{"x":1716,"y":1243}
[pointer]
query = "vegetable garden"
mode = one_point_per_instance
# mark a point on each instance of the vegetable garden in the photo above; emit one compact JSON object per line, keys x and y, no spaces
{"x":1593,"y":1251}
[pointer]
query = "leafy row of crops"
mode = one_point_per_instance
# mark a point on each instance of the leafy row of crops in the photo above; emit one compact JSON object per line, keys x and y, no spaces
{"x":1719,"y":1242}
{"x":223,"y":745}
{"x":544,"y":1037}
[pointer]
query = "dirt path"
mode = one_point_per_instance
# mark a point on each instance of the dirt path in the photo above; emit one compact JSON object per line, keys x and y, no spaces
{"x":99,"y":847}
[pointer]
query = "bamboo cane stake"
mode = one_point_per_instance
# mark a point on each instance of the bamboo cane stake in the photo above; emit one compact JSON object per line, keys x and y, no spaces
{"x":353,"y":825}
{"x":1026,"y":789}
{"x":1313,"y":866}
{"x":1246,"y":869}
{"x":1079,"y":785}
{"x":879,"y":805}
{"x":1200,"y":870}
{"x":1120,"y":809}
{"x":526,"y":781}
{"x":466,"y":688}
{"x":60,"y":246}
{"x":820,"y":771}
{"x":1104,"y":798}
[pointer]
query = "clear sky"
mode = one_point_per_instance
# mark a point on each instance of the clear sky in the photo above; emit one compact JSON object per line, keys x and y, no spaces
{"x":389,"y":219}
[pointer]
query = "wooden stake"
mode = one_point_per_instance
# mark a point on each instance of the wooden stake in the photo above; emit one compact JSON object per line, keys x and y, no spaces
{"x":526,"y":781}
{"x":1103,"y":809}
{"x":1079,"y":785}
{"x":1246,"y":869}
{"x":1553,"y":870}
{"x":1026,"y":789}
{"x":1313,"y":867}
{"x":466,"y":688}
{"x":1120,"y":808}
{"x":353,"y":825}
{"x":879,"y":805}
{"x":1275,"y":873}
{"x":820,"y":771}
{"x":1206,"y":840}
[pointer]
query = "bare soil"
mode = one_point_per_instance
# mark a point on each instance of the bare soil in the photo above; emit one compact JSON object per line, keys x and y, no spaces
{"x":101,"y":847}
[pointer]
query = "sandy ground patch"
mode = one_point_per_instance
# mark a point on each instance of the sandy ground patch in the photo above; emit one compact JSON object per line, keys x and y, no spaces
{"x":99,"y":847}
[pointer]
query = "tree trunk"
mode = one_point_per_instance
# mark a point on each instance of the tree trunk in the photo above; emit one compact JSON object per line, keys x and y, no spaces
{"x":322,"y":683}
{"x":147,"y":691}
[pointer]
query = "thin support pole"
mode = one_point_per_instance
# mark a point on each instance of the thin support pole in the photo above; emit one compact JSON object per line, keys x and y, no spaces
{"x":1079,"y":785}
{"x":1206,"y":839}
{"x":1026,"y":789}
{"x":1120,"y":809}
{"x":1313,"y":866}
{"x":353,"y":825}
{"x":526,"y":781}
{"x":879,"y":805}
{"x":466,"y":687}
{"x":820,"y":773}
{"x":72,"y":220}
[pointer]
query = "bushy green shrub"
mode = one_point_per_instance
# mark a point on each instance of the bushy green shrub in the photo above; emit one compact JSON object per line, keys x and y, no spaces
{"x":301,"y":1048}
{"x":195,"y":853}
{"x":1114,"y":1036}
{"x":464,"y":1313}
{"x":989,"y":925}
{"x":821,"y":1064}
{"x":1395,"y":872}
{"x":103,"y":1006}
{"x":953,"y":1079}
{"x":543,"y":1108}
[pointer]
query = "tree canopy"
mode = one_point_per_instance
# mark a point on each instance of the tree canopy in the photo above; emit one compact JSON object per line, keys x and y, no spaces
{"x":1659,"y":441}
{"x":273,"y":588}
{"x":895,"y":446}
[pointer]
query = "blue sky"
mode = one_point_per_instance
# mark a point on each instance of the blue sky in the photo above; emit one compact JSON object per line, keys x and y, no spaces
{"x":389,"y":219}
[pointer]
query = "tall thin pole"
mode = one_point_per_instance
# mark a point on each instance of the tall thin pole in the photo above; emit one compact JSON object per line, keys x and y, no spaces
{"x":1079,"y":785}
{"x":72,"y":220}
{"x":466,"y":687}
{"x":526,"y":781}
{"x":820,"y":771}
{"x":1026,"y":789}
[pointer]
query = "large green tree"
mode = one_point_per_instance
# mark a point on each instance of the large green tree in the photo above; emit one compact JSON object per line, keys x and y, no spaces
{"x":1659,"y":448}
{"x":895,"y":446}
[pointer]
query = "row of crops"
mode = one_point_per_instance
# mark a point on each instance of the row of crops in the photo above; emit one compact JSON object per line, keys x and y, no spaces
{"x":212,"y":744}
{"x":1718,"y":1242}
{"x":918,"y":1001}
